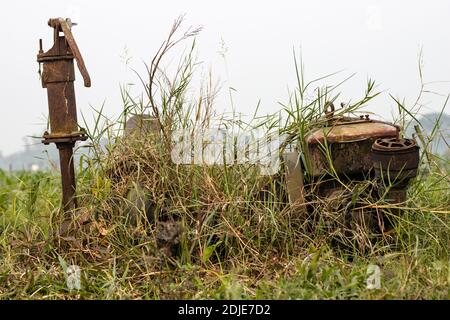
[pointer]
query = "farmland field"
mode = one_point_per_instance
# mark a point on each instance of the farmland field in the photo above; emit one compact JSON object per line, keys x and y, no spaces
{"x":148,"y":228}
{"x":119,"y":265}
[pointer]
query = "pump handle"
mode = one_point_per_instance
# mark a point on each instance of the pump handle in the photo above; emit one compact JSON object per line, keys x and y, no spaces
{"x":65,"y":26}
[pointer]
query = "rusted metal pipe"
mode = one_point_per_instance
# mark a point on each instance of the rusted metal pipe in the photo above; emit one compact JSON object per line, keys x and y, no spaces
{"x":67,"y":175}
{"x":57,"y":77}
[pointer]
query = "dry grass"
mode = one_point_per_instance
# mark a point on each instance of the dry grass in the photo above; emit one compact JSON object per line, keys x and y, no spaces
{"x":231,"y":240}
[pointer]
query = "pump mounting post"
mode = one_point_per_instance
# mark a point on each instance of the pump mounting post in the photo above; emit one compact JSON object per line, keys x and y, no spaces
{"x":57,"y":77}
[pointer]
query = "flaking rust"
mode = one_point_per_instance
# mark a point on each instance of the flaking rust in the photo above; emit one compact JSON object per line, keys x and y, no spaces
{"x":340,"y":155}
{"x":57,"y":77}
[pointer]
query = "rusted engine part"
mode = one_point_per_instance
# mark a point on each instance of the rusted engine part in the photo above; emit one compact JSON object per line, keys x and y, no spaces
{"x":343,"y":150}
{"x":354,"y":150}
{"x":349,"y":142}
{"x":395,"y":163}
{"x":347,"y":220}
{"x":340,"y":203}
{"x":57,"y":77}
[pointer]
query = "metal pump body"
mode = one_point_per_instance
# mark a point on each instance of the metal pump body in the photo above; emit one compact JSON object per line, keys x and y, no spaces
{"x":57,"y":77}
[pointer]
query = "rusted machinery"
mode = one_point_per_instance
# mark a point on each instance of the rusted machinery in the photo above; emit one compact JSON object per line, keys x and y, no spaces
{"x":345,"y":151}
{"x":57,"y":77}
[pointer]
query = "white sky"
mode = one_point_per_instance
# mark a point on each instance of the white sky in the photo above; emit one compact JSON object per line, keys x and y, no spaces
{"x":377,"y":39}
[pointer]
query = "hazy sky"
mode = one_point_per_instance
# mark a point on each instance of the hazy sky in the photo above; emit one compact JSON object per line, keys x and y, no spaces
{"x":377,"y":39}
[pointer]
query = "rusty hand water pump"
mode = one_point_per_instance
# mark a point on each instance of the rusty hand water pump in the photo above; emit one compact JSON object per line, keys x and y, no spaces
{"x":57,"y":77}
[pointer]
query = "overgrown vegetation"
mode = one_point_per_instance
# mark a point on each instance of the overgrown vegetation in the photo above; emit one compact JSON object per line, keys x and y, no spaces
{"x":231,"y":240}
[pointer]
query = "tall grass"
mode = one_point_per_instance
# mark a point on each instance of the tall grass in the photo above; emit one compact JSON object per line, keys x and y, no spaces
{"x":149,"y":228}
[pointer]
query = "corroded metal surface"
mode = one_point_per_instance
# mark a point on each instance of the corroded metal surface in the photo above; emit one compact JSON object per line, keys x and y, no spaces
{"x":351,"y":158}
{"x":57,"y":77}
{"x":344,"y":146}
{"x":395,"y":159}
{"x":395,"y":163}
{"x":347,"y":152}
{"x":354,"y":130}
{"x":67,"y":175}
